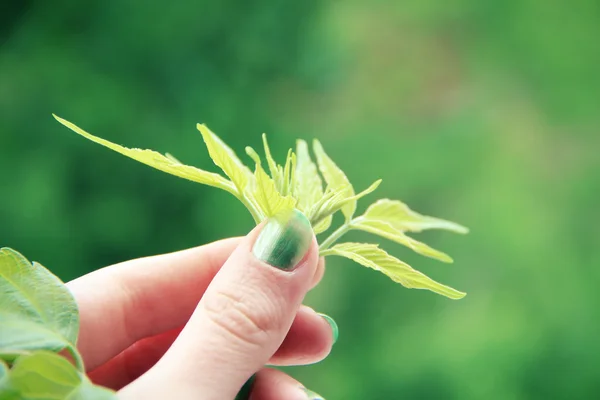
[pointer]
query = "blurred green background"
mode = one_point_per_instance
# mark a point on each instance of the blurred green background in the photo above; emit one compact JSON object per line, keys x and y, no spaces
{"x":483,"y":112}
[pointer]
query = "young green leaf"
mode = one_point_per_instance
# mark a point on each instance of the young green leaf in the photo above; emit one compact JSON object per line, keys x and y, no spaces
{"x":335,"y":178}
{"x":275,"y":171}
{"x":323,"y":225}
{"x":334,"y":200}
{"x":45,"y":375}
{"x":401,"y":217}
{"x":298,"y":184}
{"x":290,"y":161}
{"x":292,"y":184}
{"x":158,"y":161}
{"x":267,"y":197}
{"x":387,"y":231}
{"x":33,"y":295}
{"x":173,"y":158}
{"x":309,"y":187}
{"x":370,"y":255}
{"x":331,"y":198}
{"x":224,"y":157}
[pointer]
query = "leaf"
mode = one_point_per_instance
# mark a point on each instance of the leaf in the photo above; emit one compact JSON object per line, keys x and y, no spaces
{"x":275,"y":172}
{"x":292,"y":183}
{"x":334,"y":200}
{"x":9,"y":356}
{"x":309,"y":187}
{"x":290,"y":161}
{"x":3,"y":370}
{"x":335,"y":178}
{"x":323,"y":225}
{"x":370,"y":255}
{"x":19,"y":334}
{"x":88,"y":391}
{"x":173,"y":158}
{"x":387,"y":231}
{"x":224,"y":157}
{"x":30,"y":292}
{"x":157,"y":160}
{"x":7,"y":392}
{"x":401,"y":217}
{"x":45,"y":375}
{"x":269,"y":200}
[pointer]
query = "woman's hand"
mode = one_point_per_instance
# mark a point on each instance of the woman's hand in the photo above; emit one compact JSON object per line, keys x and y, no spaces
{"x":199,"y":323}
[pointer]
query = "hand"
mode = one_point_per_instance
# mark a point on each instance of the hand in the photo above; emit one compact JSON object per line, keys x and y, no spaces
{"x":197,"y":324}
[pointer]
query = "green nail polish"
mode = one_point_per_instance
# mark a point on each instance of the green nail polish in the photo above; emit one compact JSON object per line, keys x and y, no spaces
{"x":334,"y":326}
{"x":244,"y":393}
{"x":312,"y":395}
{"x":284,"y":240}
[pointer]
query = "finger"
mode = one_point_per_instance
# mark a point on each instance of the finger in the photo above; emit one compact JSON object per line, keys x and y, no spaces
{"x":132,"y":362}
{"x":243,"y":316}
{"x":121,"y":304}
{"x":308,"y":341}
{"x":271,"y":384}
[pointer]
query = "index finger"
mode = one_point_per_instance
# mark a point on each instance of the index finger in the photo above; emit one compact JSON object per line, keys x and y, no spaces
{"x":123,"y":303}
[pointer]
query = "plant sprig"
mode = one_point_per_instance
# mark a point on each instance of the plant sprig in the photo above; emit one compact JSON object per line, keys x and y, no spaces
{"x":299,"y":184}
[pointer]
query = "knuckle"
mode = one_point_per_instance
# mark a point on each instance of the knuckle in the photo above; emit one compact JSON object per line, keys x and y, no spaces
{"x":250,"y":322}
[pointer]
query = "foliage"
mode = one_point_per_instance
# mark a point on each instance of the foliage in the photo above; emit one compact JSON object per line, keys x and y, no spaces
{"x":39,"y":320}
{"x":298,"y":184}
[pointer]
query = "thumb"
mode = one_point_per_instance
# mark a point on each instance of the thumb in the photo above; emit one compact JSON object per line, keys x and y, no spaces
{"x":243,"y":316}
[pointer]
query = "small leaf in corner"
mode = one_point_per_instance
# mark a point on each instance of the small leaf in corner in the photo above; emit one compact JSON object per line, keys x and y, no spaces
{"x":45,"y":375}
{"x":34,"y":304}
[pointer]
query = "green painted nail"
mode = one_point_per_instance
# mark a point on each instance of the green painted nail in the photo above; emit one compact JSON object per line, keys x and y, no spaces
{"x":312,"y":395}
{"x":284,"y":240}
{"x":334,"y":327}
{"x":244,"y":393}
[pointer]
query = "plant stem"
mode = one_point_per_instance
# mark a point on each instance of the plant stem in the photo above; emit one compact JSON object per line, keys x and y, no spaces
{"x":256,"y":214}
{"x":338,"y":233}
{"x":251,"y":208}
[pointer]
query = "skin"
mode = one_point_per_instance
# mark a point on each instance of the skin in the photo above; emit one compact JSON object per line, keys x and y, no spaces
{"x":198,"y":323}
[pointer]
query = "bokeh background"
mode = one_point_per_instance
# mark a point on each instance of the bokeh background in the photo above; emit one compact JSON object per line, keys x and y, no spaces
{"x":483,"y":112}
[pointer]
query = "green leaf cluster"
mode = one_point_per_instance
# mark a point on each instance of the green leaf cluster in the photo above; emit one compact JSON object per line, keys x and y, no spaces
{"x":319,"y":190}
{"x":38,"y":320}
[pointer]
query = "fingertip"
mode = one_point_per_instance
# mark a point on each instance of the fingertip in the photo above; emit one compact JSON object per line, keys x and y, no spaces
{"x":309,"y":340}
{"x":286,"y":241}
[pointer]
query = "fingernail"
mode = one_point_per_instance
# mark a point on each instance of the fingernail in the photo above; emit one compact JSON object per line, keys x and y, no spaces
{"x":244,"y":393}
{"x":284,"y":240}
{"x":310,"y":395}
{"x":334,"y":327}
